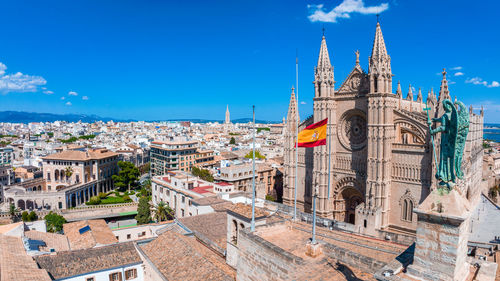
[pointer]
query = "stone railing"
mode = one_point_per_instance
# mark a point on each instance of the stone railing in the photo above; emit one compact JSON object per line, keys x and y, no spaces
{"x":104,"y":206}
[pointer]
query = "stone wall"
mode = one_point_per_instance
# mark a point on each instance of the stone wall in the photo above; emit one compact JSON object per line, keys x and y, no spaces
{"x":352,"y":259}
{"x":261,"y":260}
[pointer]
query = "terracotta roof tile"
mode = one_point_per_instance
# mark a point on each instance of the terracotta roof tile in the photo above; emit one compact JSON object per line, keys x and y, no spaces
{"x":212,"y":226}
{"x":71,"y":263}
{"x":15,"y":264}
{"x":81,"y":155}
{"x":179,"y":257}
{"x":99,"y":234}
{"x":55,"y":241}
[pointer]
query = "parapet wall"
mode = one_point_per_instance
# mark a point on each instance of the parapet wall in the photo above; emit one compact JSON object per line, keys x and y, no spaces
{"x":261,"y":260}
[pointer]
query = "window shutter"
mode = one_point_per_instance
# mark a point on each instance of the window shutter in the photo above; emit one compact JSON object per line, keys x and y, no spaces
{"x":111,"y":277}
{"x":120,"y":276}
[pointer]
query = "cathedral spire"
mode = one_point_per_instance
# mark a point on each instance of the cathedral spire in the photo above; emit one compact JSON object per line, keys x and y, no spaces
{"x":292,"y":111}
{"x":379,"y":50}
{"x":228,"y":118}
{"x":323,"y":73}
{"x":399,"y":92}
{"x":444,"y":93}
{"x":410,"y":94}
{"x":324,"y":57}
{"x":380,"y":65}
{"x":420,"y":98}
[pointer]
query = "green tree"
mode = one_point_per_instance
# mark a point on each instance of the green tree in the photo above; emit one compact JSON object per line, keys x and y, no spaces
{"x":32,"y":216}
{"x":54,"y":222}
{"x":257,"y":155}
{"x":143,"y":211}
{"x":232,"y":141}
{"x":94,"y":200}
{"x":162,"y":212}
{"x":203,"y":174}
{"x":12,"y":211}
{"x":24,"y":216}
{"x":127,"y":176}
{"x":68,"y":171}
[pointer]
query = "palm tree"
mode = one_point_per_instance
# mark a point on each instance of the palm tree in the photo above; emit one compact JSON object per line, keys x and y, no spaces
{"x":12,"y":212}
{"x":162,"y":212}
{"x":68,"y":172}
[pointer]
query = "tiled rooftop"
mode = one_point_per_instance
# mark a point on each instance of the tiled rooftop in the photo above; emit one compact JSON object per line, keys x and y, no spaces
{"x":15,"y":264}
{"x":245,"y":210}
{"x":206,"y":201}
{"x":99,"y":234}
{"x":213,"y":226}
{"x":54,"y":241}
{"x":71,"y":263}
{"x":81,"y":155}
{"x":180,"y":257}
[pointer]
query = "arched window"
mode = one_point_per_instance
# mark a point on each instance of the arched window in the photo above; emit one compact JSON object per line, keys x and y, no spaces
{"x":407,"y":203}
{"x":405,"y":208}
{"x":410,"y":210}
{"x":235,"y":232}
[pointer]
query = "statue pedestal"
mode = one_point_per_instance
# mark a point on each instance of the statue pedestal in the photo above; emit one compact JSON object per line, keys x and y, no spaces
{"x":442,"y":235}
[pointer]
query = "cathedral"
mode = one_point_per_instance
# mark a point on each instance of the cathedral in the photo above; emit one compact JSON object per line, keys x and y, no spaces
{"x":378,"y":147}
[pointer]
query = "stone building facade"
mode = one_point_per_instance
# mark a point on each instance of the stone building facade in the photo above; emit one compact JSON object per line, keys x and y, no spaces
{"x":381,"y":159}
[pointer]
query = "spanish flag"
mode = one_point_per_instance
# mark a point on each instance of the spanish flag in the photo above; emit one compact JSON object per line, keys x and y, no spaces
{"x":313,"y":135}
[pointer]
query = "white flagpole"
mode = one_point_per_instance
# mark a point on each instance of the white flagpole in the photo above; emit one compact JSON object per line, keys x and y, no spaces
{"x":329,"y":159}
{"x":252,"y":225}
{"x":296,"y":137}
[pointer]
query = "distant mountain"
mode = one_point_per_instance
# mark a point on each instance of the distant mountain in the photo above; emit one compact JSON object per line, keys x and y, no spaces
{"x":28,"y":117}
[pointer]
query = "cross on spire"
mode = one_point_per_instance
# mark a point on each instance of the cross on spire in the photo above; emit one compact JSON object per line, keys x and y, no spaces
{"x":323,"y":29}
{"x":378,"y":15}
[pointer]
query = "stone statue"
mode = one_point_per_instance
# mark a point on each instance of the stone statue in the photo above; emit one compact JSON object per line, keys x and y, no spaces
{"x":454,"y":129}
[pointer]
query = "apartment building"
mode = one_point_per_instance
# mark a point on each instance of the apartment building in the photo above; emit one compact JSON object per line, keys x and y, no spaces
{"x":240,"y":173}
{"x":177,"y":155}
{"x":6,"y":155}
{"x":179,"y":189}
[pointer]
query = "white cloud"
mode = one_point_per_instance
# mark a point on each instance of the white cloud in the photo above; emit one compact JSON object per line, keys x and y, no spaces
{"x":343,"y":10}
{"x":47,"y":92}
{"x":68,"y":103}
{"x":85,"y":98}
{"x":451,"y":82}
{"x":63,"y":98}
{"x":18,"y":82}
{"x":3,"y":67}
{"x":303,"y":102}
{"x":457,"y":68}
{"x":480,"y":81}
{"x":71,"y":93}
{"x":459,"y":74}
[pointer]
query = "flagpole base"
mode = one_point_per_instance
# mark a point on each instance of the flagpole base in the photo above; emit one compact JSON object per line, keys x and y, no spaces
{"x":313,"y":250}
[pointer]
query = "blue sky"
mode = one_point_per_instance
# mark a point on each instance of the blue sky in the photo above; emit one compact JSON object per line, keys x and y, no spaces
{"x":188,"y":59}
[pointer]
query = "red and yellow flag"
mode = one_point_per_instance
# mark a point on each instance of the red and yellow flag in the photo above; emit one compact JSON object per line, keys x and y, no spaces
{"x":313,"y":135}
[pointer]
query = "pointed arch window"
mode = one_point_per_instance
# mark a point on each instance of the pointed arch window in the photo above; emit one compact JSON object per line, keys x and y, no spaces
{"x":407,"y":204}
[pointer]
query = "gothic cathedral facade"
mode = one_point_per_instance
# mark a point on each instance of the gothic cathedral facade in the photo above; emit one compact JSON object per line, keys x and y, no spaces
{"x":378,"y":147}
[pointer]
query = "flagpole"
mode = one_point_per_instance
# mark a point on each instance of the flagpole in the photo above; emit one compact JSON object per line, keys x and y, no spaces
{"x":252,"y":225}
{"x":329,"y":160}
{"x":296,"y":136}
{"x":315,"y":195}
